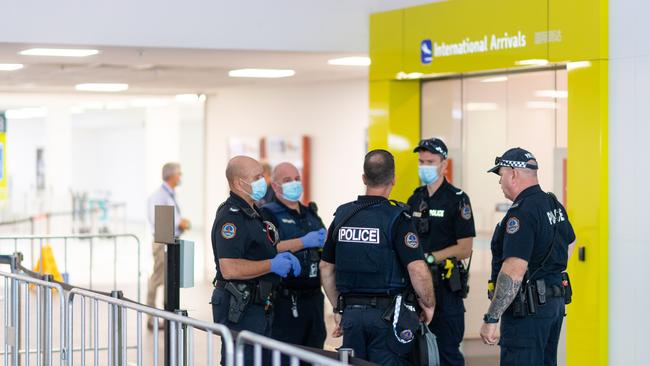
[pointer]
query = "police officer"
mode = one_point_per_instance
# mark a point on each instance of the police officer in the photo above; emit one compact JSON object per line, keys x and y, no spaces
{"x":530,"y":250}
{"x":371,"y":252}
{"x":298,"y":308}
{"x":443,"y":217}
{"x":247,"y":261}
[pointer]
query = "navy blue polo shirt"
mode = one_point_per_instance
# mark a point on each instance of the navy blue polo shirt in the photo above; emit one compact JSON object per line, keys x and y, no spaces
{"x":528,"y":230}
{"x":239,"y":232}
{"x":449,"y":213}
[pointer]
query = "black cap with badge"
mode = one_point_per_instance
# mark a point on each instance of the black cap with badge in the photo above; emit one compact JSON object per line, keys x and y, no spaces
{"x":432,"y":145}
{"x":514,"y":158}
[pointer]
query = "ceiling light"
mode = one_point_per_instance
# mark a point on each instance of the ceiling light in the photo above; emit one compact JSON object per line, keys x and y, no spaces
{"x":496,"y":79}
{"x":350,"y":61}
{"x":532,"y":62}
{"x":541,"y":105}
{"x":26,"y":113}
{"x":407,"y":76}
{"x":102,"y":87}
{"x":58,"y":52}
{"x":149,"y":102}
{"x":260,"y":73}
{"x":560,"y":94}
{"x":577,"y":65}
{"x":11,"y":67}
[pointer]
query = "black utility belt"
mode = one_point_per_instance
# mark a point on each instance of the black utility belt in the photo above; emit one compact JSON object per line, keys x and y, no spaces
{"x":288,"y":292}
{"x":374,"y":301}
{"x":536,"y":293}
{"x":257,"y":293}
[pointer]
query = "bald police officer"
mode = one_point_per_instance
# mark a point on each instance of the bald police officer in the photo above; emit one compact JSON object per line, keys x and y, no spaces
{"x":247,"y":261}
{"x":371,"y":253}
{"x":443,"y":217}
{"x":530,"y":250}
{"x":298,"y":312}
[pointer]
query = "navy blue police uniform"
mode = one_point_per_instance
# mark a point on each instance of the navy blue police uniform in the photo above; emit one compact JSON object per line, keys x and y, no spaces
{"x":371,"y":242}
{"x":442,"y":219}
{"x":298,"y":307}
{"x":239,"y":232}
{"x":536,"y":229}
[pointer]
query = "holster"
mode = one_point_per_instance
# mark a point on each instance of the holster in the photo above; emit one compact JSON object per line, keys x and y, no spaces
{"x":240,"y":297}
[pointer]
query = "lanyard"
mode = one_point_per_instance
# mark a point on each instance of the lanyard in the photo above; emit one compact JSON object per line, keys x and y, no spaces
{"x":171,"y":194}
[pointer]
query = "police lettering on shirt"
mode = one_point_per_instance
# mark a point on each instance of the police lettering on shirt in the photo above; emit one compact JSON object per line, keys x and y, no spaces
{"x":359,"y":235}
{"x":555,"y":216}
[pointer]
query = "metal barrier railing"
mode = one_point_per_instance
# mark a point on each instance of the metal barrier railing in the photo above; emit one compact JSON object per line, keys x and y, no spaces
{"x":117,"y":328}
{"x":66,"y":240}
{"x":16,"y":294}
{"x":181,"y":328}
{"x":277,"y":350}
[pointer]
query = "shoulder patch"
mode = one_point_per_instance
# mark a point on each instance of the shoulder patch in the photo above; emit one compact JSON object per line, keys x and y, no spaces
{"x":228,"y":230}
{"x":466,"y":212}
{"x":411,"y":240}
{"x":512,"y":226}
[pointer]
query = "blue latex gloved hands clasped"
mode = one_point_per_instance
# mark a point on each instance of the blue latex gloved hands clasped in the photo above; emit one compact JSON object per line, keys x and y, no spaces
{"x":314,"y":239}
{"x":284,"y":262}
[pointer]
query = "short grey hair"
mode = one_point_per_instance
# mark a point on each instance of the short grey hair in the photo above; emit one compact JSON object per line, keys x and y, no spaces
{"x":170,"y":169}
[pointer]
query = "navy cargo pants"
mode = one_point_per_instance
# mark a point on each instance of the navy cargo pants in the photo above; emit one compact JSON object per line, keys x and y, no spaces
{"x":369,"y":335}
{"x":254,"y":319}
{"x":532,"y":340}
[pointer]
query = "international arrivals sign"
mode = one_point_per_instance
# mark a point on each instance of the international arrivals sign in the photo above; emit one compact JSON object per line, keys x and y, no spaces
{"x":466,"y":46}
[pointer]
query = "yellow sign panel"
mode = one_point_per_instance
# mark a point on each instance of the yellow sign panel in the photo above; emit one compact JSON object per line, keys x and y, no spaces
{"x":469,"y":35}
{"x":3,"y":158}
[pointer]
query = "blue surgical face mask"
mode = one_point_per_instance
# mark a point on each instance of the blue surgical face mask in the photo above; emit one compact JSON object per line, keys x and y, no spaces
{"x":291,"y":191}
{"x":428,"y":173}
{"x":258,"y":188}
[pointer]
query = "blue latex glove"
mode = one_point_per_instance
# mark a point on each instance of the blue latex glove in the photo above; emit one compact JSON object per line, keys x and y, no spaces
{"x":314,"y":239}
{"x":282,"y":263}
{"x":295,"y":265}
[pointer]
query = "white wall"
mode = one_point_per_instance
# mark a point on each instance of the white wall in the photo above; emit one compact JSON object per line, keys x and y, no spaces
{"x":288,"y":25}
{"x":334,"y":115}
{"x":629,"y":171}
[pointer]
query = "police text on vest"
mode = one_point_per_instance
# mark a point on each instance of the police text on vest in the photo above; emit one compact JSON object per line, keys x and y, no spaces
{"x":359,"y":235}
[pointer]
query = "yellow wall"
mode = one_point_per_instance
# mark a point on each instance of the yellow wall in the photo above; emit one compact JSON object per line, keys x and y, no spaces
{"x":582,"y":28}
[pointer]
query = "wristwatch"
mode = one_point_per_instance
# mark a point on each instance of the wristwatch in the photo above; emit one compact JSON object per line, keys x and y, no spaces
{"x":431,"y":259}
{"x":487,"y":319}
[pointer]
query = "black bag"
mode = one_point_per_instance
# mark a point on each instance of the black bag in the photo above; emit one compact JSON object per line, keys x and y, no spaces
{"x":425,"y":348}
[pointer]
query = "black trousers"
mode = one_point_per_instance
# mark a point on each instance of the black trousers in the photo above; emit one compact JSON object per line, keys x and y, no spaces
{"x":369,"y":335}
{"x":254,"y":319}
{"x":308,"y":329}
{"x":532,"y":340}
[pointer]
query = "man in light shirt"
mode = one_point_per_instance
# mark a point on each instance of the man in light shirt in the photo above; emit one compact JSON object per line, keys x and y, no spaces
{"x":165,"y":195}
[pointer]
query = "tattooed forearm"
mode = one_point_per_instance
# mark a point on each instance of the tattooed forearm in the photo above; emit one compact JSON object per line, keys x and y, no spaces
{"x":505,"y":291}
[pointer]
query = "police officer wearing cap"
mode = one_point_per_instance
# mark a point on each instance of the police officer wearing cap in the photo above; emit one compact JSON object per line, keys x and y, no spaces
{"x":443,"y":216}
{"x":371,"y":254}
{"x":530,"y":250}
{"x":246,"y":257}
{"x":298,"y":308}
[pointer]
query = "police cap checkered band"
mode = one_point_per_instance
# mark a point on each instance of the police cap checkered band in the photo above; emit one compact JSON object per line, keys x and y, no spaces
{"x":514,"y":158}
{"x":432,"y":145}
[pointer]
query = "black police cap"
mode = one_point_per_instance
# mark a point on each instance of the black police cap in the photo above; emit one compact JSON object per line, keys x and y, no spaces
{"x":432,"y":145}
{"x":514,"y":158}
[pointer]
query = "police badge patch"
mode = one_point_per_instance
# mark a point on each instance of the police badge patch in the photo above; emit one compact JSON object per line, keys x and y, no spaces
{"x":466,"y":212}
{"x":228,"y":230}
{"x":411,"y":240}
{"x":512,"y":226}
{"x":406,"y":335}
